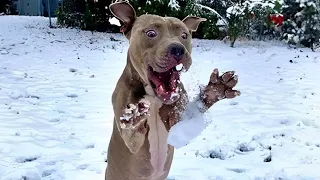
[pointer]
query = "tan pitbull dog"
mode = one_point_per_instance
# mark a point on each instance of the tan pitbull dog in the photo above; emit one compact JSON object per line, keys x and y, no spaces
{"x":149,"y":97}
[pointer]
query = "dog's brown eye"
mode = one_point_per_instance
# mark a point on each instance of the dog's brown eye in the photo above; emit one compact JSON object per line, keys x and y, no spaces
{"x":184,"y":35}
{"x":151,"y":33}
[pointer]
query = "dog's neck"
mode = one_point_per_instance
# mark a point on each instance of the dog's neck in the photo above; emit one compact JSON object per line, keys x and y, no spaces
{"x":133,"y":79}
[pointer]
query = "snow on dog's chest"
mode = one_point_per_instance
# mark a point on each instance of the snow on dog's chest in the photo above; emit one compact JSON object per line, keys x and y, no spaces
{"x":157,"y":136}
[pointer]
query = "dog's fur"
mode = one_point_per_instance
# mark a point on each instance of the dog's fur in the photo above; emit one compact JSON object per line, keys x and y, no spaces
{"x":141,"y":152}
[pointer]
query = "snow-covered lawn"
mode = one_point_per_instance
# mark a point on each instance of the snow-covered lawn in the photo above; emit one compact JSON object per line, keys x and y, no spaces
{"x":56,"y":113}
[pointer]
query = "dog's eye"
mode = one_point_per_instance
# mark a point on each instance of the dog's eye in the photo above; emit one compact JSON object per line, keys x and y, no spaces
{"x":184,"y":35}
{"x":151,"y":33}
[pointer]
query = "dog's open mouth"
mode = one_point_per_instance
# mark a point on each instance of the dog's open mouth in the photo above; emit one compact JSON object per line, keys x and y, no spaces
{"x":165,"y":84}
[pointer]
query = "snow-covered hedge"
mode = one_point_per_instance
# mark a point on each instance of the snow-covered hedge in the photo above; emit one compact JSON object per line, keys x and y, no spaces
{"x":294,"y":21}
{"x":265,"y":17}
{"x":94,"y":14}
{"x":302,"y":22}
{"x":238,"y":17}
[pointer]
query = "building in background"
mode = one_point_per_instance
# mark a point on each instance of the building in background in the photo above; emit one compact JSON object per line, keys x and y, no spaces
{"x":36,"y":7}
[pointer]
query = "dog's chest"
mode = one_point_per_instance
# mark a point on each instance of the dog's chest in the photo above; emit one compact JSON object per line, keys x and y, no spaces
{"x":157,"y":136}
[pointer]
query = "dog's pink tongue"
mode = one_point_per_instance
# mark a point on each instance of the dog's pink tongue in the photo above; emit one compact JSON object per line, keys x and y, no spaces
{"x":160,"y":90}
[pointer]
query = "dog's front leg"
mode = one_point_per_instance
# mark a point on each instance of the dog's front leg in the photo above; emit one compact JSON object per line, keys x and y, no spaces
{"x":133,"y":124}
{"x":218,"y":88}
{"x":193,"y":121}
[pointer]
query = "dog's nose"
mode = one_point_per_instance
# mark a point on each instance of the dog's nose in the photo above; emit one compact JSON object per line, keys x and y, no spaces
{"x":177,"y":51}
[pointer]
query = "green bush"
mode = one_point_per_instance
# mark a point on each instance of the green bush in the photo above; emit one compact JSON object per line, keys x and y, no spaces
{"x":91,"y":15}
{"x":302,"y":26}
{"x":261,"y":25}
{"x":207,"y":30}
{"x":85,"y":14}
{"x":253,"y":19}
{"x":8,"y":7}
{"x":210,"y":28}
{"x":160,"y":8}
{"x":238,"y":17}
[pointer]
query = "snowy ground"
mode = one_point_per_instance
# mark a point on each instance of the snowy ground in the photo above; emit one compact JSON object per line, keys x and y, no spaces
{"x":56,"y":114}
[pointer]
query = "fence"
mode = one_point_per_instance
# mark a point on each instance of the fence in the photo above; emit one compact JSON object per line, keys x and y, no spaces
{"x":36,"y":7}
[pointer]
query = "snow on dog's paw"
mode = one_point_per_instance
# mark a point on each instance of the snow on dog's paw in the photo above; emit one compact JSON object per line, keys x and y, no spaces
{"x":129,"y":112}
{"x":134,"y":115}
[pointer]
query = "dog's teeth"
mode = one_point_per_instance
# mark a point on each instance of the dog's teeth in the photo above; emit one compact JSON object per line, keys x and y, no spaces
{"x":122,"y":126}
{"x":161,"y":89}
{"x":179,"y":67}
{"x":184,"y":70}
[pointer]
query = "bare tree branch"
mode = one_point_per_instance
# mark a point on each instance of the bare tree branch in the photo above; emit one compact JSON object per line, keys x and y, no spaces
{"x":214,"y":11}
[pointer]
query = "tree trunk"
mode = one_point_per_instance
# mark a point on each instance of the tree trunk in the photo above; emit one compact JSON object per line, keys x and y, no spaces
{"x":233,"y":40}
{"x":261,"y":30}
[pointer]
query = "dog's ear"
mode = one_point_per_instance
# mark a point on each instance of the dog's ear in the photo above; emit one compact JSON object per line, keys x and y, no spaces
{"x":192,"y":22}
{"x":125,"y":13}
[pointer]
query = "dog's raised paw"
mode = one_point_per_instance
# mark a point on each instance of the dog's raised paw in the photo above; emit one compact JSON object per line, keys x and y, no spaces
{"x":220,"y":87}
{"x":134,"y":114}
{"x":129,"y":112}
